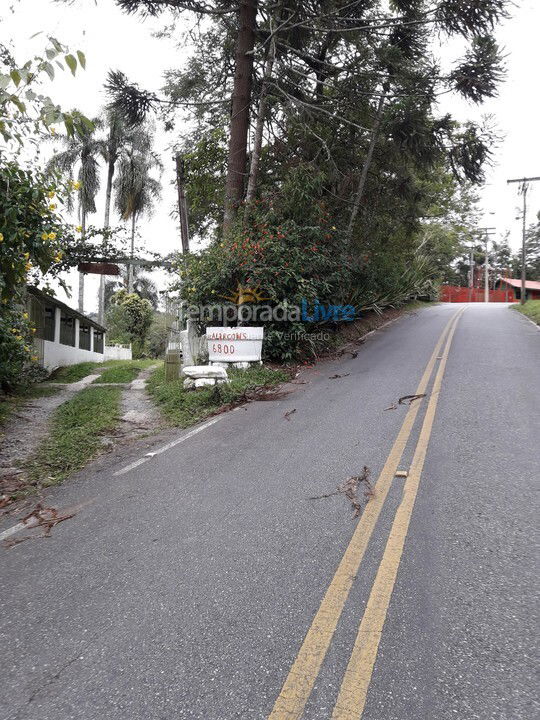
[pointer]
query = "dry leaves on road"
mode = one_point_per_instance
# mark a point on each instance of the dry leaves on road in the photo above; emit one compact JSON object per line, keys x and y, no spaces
{"x":350,"y":487}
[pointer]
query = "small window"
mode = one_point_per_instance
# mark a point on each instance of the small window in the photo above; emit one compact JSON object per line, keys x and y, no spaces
{"x":67,"y":329}
{"x":84,"y":336}
{"x":48,"y":323}
{"x":98,"y":341}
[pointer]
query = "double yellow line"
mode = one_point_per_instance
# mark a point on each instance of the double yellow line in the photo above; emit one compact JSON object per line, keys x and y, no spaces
{"x":305,"y":669}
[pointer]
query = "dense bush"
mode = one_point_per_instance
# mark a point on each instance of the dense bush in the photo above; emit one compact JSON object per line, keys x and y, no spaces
{"x":285,"y":263}
{"x":273,"y":258}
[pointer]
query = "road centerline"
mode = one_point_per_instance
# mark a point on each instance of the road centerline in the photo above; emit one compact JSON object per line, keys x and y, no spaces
{"x":354,"y":688}
{"x":306,"y":666}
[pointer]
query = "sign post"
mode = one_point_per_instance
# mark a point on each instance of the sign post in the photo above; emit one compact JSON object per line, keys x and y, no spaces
{"x":234,"y":344}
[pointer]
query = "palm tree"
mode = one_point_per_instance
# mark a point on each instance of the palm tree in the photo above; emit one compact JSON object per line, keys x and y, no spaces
{"x":80,"y":158}
{"x":119,"y":136}
{"x":136,"y":190}
{"x":143,"y":285}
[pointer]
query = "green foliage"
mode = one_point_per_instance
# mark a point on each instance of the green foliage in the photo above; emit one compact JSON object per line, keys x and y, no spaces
{"x":123,"y":371}
{"x":128,"y":320}
{"x":293,"y":264}
{"x":24,"y":111}
{"x":184,"y":408}
{"x":74,"y":373}
{"x":76,"y":431}
{"x":531,"y":309}
{"x":158,"y":335}
{"x":31,"y":232}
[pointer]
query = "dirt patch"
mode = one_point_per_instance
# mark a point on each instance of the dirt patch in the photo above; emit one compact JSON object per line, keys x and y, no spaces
{"x":139,"y":414}
{"x":24,"y":431}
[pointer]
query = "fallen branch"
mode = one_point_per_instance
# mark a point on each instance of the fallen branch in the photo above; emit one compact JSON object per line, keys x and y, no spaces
{"x":44,"y":517}
{"x":349,"y":488}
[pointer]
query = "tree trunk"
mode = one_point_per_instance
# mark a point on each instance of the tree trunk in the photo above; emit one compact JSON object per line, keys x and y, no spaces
{"x":132,"y":254}
{"x":259,"y":126}
{"x":241,"y":97}
{"x":106,"y":224}
{"x":81,"y":275}
{"x":365,"y":168}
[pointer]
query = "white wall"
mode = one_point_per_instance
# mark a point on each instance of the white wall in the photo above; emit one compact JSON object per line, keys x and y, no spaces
{"x":56,"y":355}
{"x":117,"y":352}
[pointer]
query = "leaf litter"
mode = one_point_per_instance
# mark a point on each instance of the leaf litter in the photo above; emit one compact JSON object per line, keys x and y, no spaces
{"x":350,"y":488}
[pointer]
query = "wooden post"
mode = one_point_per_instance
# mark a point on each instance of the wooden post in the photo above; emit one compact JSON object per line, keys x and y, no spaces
{"x":172,"y":365}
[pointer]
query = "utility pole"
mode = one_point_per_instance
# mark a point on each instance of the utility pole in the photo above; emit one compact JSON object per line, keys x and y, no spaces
{"x":471,"y":274}
{"x":524,"y":187}
{"x":182,"y":203}
{"x":489,"y":231}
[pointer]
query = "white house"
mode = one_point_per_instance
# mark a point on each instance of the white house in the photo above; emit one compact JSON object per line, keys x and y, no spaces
{"x":63,"y":335}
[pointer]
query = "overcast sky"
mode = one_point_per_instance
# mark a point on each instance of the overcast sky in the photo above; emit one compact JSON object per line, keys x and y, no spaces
{"x":112,"y":40}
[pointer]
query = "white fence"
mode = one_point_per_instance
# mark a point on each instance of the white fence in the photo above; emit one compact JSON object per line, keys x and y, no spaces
{"x":118,"y":352}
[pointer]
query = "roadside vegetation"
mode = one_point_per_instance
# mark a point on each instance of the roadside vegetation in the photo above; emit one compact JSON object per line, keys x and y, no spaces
{"x":76,"y":434}
{"x":531,"y":309}
{"x":124,"y":372}
{"x":115,"y":371}
{"x":183,"y":408}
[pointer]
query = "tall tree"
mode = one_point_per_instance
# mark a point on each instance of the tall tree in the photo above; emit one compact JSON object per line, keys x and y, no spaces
{"x":136,"y":190}
{"x":80,"y":159}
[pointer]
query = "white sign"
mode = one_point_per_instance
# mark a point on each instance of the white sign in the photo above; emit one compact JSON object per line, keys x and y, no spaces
{"x":234,"y":344}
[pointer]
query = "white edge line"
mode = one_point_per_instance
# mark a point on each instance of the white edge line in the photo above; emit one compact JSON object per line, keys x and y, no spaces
{"x":16,"y":528}
{"x":168,"y":446}
{"x":22,"y":526}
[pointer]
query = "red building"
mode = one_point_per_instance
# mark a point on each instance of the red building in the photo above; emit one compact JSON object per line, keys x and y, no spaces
{"x":532,"y":288}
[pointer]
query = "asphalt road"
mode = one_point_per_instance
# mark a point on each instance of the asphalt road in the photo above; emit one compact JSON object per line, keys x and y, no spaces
{"x":187,"y":586}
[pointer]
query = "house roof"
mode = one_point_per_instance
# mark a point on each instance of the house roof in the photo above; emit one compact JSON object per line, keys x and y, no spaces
{"x":32,"y":290}
{"x":529,"y":284}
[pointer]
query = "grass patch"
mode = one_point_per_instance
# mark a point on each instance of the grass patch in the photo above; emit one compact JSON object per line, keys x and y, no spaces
{"x":124,"y":371}
{"x":74,"y":373}
{"x":11,"y":402}
{"x":75,"y":435}
{"x":183,"y":408}
{"x":531,"y":309}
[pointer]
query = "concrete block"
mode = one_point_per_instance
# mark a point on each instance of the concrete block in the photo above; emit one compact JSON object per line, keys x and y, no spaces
{"x":203,"y":382}
{"x":204,"y":371}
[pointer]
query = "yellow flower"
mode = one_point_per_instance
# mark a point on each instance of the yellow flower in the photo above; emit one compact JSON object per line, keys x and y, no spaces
{"x":77,"y":185}
{"x":52,"y":236}
{"x":193,"y":289}
{"x":52,"y":206}
{"x":26,"y":255}
{"x":18,"y":337}
{"x":34,"y":358}
{"x":26,"y":348}
{"x":28,"y":267}
{"x":52,"y":131}
{"x":44,"y":236}
{"x":1,"y":238}
{"x":25,"y":315}
{"x":34,"y":330}
{"x":79,"y":228}
{"x":51,"y":194}
{"x":58,"y":257}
